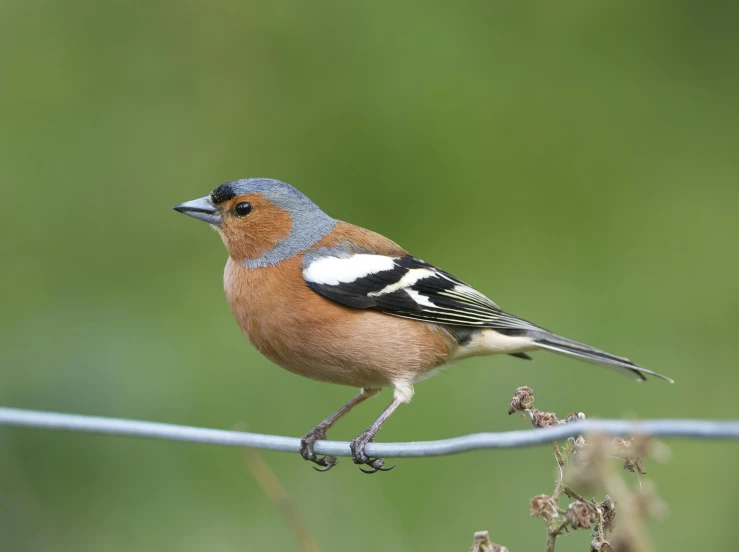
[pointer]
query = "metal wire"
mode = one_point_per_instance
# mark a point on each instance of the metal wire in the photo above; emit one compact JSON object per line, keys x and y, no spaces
{"x":695,"y":429}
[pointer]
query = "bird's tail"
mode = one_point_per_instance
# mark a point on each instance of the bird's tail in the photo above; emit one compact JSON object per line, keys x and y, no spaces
{"x":561,"y":345}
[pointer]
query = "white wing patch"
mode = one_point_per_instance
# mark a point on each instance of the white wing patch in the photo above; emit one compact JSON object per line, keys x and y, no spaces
{"x":333,"y":271}
{"x":418,"y":298}
{"x":408,"y":279}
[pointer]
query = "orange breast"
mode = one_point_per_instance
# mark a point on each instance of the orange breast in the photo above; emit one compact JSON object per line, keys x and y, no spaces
{"x":315,"y":337}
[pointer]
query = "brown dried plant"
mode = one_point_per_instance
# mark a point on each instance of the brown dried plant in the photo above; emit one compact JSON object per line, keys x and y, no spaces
{"x":482,"y":543}
{"x":587,"y":462}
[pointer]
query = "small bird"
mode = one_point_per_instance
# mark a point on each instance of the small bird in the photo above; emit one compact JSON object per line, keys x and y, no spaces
{"x":338,"y":303}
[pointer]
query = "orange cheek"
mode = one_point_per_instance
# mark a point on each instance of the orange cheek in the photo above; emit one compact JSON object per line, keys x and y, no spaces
{"x":254,"y":235}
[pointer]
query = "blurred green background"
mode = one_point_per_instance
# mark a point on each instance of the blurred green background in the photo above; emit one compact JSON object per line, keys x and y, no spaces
{"x":576,"y":161}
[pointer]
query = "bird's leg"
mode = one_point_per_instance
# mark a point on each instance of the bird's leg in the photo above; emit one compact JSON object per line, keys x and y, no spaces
{"x":368,"y":435}
{"x":318,"y":433}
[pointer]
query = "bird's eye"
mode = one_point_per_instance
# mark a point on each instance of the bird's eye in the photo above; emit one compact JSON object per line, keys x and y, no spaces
{"x":243,"y":209}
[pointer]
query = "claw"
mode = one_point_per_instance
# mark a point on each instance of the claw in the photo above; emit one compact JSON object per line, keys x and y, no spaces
{"x":359,"y":456}
{"x":377,"y":465}
{"x":327,"y":462}
{"x":306,"y":450}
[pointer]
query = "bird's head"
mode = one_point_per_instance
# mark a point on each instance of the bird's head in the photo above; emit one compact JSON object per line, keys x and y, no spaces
{"x":261,"y":221}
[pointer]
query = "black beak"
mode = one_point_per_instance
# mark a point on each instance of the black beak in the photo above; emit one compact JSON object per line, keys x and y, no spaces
{"x":201,"y":209}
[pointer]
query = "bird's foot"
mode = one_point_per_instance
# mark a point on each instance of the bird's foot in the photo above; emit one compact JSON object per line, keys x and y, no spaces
{"x":318,"y":433}
{"x":359,"y":456}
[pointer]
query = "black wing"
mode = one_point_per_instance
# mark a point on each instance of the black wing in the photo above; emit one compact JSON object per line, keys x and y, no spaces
{"x":406,"y":287}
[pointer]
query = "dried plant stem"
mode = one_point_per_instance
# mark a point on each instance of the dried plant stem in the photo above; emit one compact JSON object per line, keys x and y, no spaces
{"x":554,"y":527}
{"x":551,"y":539}
{"x":572,"y":494}
{"x":562,"y":455}
{"x":271,"y":486}
{"x":600,"y":530}
{"x":600,"y":527}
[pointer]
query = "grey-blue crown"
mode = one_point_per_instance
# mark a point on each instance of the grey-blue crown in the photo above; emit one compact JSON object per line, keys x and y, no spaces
{"x":279,"y":193}
{"x":308,"y":223}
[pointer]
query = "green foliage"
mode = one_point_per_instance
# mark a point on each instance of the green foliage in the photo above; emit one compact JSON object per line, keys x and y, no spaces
{"x":575,"y":161}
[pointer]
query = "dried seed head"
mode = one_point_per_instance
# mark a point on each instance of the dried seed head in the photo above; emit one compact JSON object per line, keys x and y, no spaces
{"x":523,"y":400}
{"x":482,"y":543}
{"x":580,"y":445}
{"x":544,"y":419}
{"x":573,"y":417}
{"x":543,"y":506}
{"x":581,"y":515}
{"x":631,"y":451}
{"x":608,"y":507}
{"x":635,"y":465}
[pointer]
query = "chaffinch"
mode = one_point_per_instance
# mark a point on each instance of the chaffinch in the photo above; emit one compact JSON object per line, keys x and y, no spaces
{"x":338,"y":303}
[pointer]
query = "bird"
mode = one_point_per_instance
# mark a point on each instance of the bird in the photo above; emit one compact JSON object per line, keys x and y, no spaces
{"x":339,"y":303}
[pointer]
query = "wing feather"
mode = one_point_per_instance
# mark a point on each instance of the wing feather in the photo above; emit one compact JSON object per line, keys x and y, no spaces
{"x":407,"y":287}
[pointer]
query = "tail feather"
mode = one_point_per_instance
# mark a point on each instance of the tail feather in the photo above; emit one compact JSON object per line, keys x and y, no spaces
{"x":580,"y":351}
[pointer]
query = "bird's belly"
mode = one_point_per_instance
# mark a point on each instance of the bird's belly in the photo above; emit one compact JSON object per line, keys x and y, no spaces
{"x":355,"y":348}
